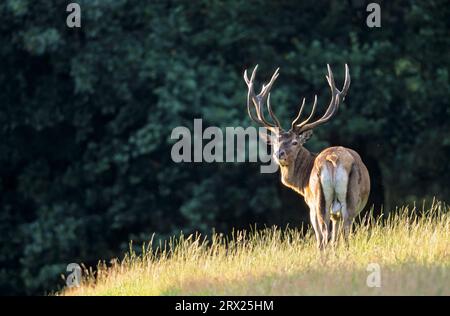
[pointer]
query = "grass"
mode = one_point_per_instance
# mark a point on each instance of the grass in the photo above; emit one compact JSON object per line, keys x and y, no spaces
{"x":411,"y":247}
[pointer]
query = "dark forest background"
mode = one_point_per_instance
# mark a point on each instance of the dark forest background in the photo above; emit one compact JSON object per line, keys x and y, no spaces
{"x":86,"y":116}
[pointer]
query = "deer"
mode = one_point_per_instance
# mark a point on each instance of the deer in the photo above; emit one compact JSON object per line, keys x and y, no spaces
{"x":334,"y":183}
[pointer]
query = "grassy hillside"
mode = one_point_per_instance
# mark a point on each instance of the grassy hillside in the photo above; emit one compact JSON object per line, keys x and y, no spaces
{"x":412,"y":249}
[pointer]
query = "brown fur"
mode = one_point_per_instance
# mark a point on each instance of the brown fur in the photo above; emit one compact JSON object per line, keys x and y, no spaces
{"x":302,"y":174}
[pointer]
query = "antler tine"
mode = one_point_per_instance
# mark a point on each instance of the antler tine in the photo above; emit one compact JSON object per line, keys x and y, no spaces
{"x":346,"y":83}
{"x":336,"y":96}
{"x":264,"y":96}
{"x":310,"y":115}
{"x":298,"y":115}
{"x":267,"y":87}
{"x":251,"y":93}
{"x":260,"y":99}
{"x":272,"y":115}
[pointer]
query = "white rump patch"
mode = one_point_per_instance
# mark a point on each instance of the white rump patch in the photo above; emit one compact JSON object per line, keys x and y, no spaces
{"x":326,"y":181}
{"x":335,"y":189}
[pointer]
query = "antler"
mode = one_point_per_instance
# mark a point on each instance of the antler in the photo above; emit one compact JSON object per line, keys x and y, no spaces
{"x":259,"y":100}
{"x":336,"y":97}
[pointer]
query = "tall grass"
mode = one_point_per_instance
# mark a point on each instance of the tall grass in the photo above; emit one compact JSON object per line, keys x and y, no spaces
{"x":411,"y":247}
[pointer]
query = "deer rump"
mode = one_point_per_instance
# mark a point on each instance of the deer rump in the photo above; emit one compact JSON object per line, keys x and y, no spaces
{"x":334,"y":179}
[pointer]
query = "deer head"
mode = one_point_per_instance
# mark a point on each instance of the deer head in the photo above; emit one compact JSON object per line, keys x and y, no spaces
{"x":286,"y":144}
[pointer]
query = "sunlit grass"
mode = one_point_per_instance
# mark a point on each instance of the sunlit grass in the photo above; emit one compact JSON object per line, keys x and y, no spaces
{"x":412,"y":248}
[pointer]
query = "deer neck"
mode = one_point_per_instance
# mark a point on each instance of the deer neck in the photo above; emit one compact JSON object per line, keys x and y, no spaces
{"x":296,"y":174}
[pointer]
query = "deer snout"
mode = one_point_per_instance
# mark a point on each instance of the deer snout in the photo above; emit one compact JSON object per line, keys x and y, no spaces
{"x":280,"y":154}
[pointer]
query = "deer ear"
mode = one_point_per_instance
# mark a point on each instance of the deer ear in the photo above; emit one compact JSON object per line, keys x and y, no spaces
{"x":303,"y":137}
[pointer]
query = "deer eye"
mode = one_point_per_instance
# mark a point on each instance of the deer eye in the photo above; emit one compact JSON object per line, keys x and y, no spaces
{"x":294,"y":142}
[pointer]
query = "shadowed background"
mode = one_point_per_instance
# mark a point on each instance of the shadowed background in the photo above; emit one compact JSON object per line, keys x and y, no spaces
{"x":86,"y":116}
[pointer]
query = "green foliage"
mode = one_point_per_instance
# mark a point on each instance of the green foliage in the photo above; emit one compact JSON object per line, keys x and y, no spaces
{"x":86,"y":116}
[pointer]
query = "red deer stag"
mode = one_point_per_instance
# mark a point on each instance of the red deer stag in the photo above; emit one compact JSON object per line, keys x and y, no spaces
{"x":335,"y":183}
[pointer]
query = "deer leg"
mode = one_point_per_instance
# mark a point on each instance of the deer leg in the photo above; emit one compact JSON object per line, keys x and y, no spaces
{"x":353,"y":203}
{"x":326,"y":196}
{"x":325,"y":228}
{"x":315,"y":225}
{"x":347,"y":226}
{"x":334,"y":232}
